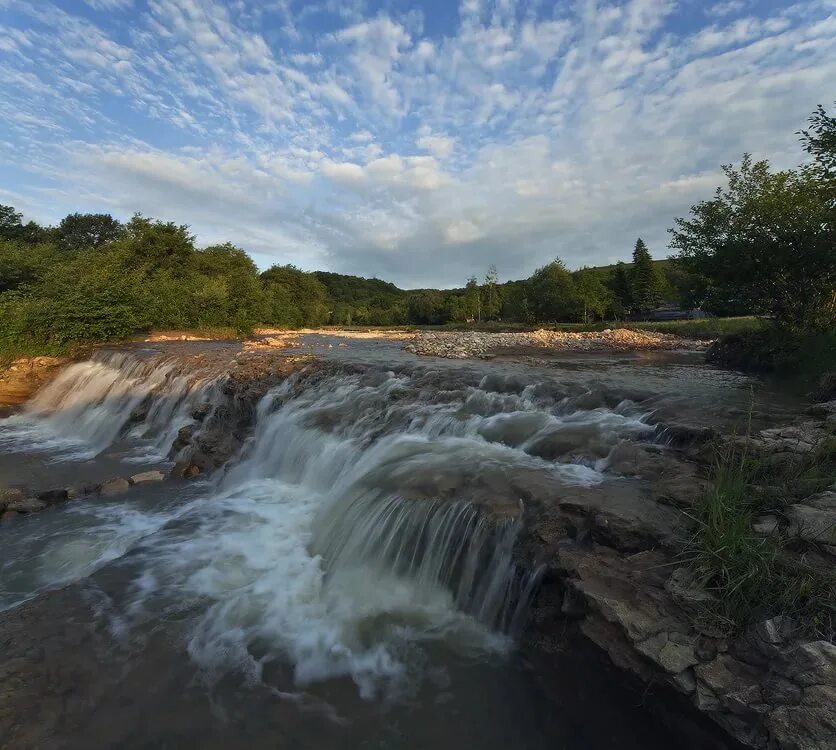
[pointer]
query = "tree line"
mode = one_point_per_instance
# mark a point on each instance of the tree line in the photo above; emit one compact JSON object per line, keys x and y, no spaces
{"x":764,"y":244}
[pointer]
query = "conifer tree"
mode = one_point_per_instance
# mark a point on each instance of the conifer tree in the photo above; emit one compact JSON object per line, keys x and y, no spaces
{"x":646,"y":284}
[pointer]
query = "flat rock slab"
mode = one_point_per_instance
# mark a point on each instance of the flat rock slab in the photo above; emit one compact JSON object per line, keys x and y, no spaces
{"x":114,"y":487}
{"x":147,"y":476}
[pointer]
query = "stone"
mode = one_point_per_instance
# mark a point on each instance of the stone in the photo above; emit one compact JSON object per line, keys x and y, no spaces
{"x":26,"y":505}
{"x":674,"y":652}
{"x":8,"y":515}
{"x":191,"y":471}
{"x":114,"y":487}
{"x":11,"y":494}
{"x":147,"y":476}
{"x":814,"y":520}
{"x":53,"y":497}
{"x":808,"y":725}
{"x":765,"y":525}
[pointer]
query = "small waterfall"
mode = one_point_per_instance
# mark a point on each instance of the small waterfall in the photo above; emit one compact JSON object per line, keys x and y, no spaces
{"x":114,"y":395}
{"x":370,"y":511}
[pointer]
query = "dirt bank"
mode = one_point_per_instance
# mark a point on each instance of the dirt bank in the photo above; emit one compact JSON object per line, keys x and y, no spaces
{"x":24,"y":376}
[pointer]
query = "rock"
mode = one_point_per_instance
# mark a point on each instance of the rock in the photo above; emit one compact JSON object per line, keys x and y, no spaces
{"x":53,"y":497}
{"x":114,"y":487}
{"x":814,"y":520}
{"x":191,"y":471}
{"x":147,"y":476}
{"x":674,"y":652}
{"x":826,"y":388}
{"x":26,"y":505}
{"x":765,"y":525}
{"x":8,"y":516}
{"x":809,"y":725}
{"x":688,"y":592}
{"x":11,"y":494}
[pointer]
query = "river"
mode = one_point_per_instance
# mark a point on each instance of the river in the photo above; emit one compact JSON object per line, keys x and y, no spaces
{"x":350,"y":577}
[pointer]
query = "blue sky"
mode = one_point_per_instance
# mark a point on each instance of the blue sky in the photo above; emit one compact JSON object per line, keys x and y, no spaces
{"x":419,"y":142}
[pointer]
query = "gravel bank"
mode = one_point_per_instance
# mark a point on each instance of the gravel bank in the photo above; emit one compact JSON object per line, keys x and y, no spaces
{"x":462,"y":344}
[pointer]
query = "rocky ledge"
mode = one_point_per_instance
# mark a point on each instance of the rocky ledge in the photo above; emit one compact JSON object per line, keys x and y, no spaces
{"x":24,"y":376}
{"x":615,"y":570}
{"x":462,"y":344}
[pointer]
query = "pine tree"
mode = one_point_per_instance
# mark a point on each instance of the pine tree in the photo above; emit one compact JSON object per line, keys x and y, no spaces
{"x":621,"y":286}
{"x":646,"y":284}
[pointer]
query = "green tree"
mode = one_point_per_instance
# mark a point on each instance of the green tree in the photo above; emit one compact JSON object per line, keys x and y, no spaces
{"x":594,"y":297}
{"x":80,"y":231}
{"x":491,"y":300}
{"x":620,"y":284}
{"x":645,"y":287}
{"x":472,"y":300}
{"x":11,"y":223}
{"x":553,"y":294}
{"x":766,"y":241}
{"x":819,"y":140}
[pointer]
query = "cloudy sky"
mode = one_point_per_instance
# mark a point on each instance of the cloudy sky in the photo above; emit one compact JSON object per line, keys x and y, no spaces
{"x":415,"y":141}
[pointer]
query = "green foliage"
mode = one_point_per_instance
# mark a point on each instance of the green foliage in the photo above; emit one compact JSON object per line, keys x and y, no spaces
{"x":84,"y":231}
{"x":294,"y":298}
{"x":820,"y":141}
{"x":766,"y":242}
{"x":553,"y":292}
{"x":747,"y":572}
{"x":645,"y":282}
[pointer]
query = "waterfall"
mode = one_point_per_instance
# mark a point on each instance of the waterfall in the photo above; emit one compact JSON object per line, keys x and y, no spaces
{"x":113,"y":396}
{"x":370,"y":511}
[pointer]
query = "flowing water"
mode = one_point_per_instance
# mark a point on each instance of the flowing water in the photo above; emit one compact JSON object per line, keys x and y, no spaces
{"x":349,"y":579}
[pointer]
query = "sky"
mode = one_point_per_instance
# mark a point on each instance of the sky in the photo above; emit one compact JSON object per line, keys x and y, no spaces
{"x":419,"y":142}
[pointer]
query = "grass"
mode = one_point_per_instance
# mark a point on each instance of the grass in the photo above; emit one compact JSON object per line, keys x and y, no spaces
{"x":754,"y":576}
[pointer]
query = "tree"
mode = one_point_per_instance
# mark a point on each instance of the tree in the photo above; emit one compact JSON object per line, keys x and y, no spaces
{"x":621,"y":286}
{"x":553,"y":295}
{"x":80,"y":231}
{"x":472,"y":300}
{"x":645,"y":287}
{"x":820,"y":141}
{"x":766,"y":241}
{"x":491,"y":303}
{"x":593,"y":295}
{"x":11,"y":223}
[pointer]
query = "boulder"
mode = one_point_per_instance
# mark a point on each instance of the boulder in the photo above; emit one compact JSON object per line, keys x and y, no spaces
{"x":8,"y":516}
{"x":26,"y":505}
{"x":147,"y":476}
{"x":9,"y":495}
{"x":814,"y":520}
{"x":114,"y":487}
{"x":53,"y":497}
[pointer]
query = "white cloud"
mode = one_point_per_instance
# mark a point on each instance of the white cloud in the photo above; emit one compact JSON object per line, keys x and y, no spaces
{"x":516,"y":135}
{"x":438,"y":145}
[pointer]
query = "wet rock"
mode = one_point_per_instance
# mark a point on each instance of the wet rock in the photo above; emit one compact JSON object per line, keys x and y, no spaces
{"x":139,"y":414}
{"x":7,"y":516}
{"x":11,"y":494}
{"x":53,"y":497}
{"x":147,"y":476}
{"x":26,"y":505}
{"x":114,"y":487}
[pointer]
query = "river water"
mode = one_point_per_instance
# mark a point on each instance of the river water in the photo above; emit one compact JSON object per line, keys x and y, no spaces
{"x":349,"y":579}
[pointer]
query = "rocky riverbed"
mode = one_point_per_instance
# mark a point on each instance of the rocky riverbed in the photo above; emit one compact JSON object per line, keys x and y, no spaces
{"x":463,"y":344}
{"x":593,"y":483}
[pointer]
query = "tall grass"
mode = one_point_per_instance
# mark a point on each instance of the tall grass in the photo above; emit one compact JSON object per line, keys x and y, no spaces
{"x":754,"y":575}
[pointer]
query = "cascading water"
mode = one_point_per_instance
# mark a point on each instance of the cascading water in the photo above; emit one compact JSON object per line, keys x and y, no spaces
{"x":368,"y":513}
{"x":115,"y":395}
